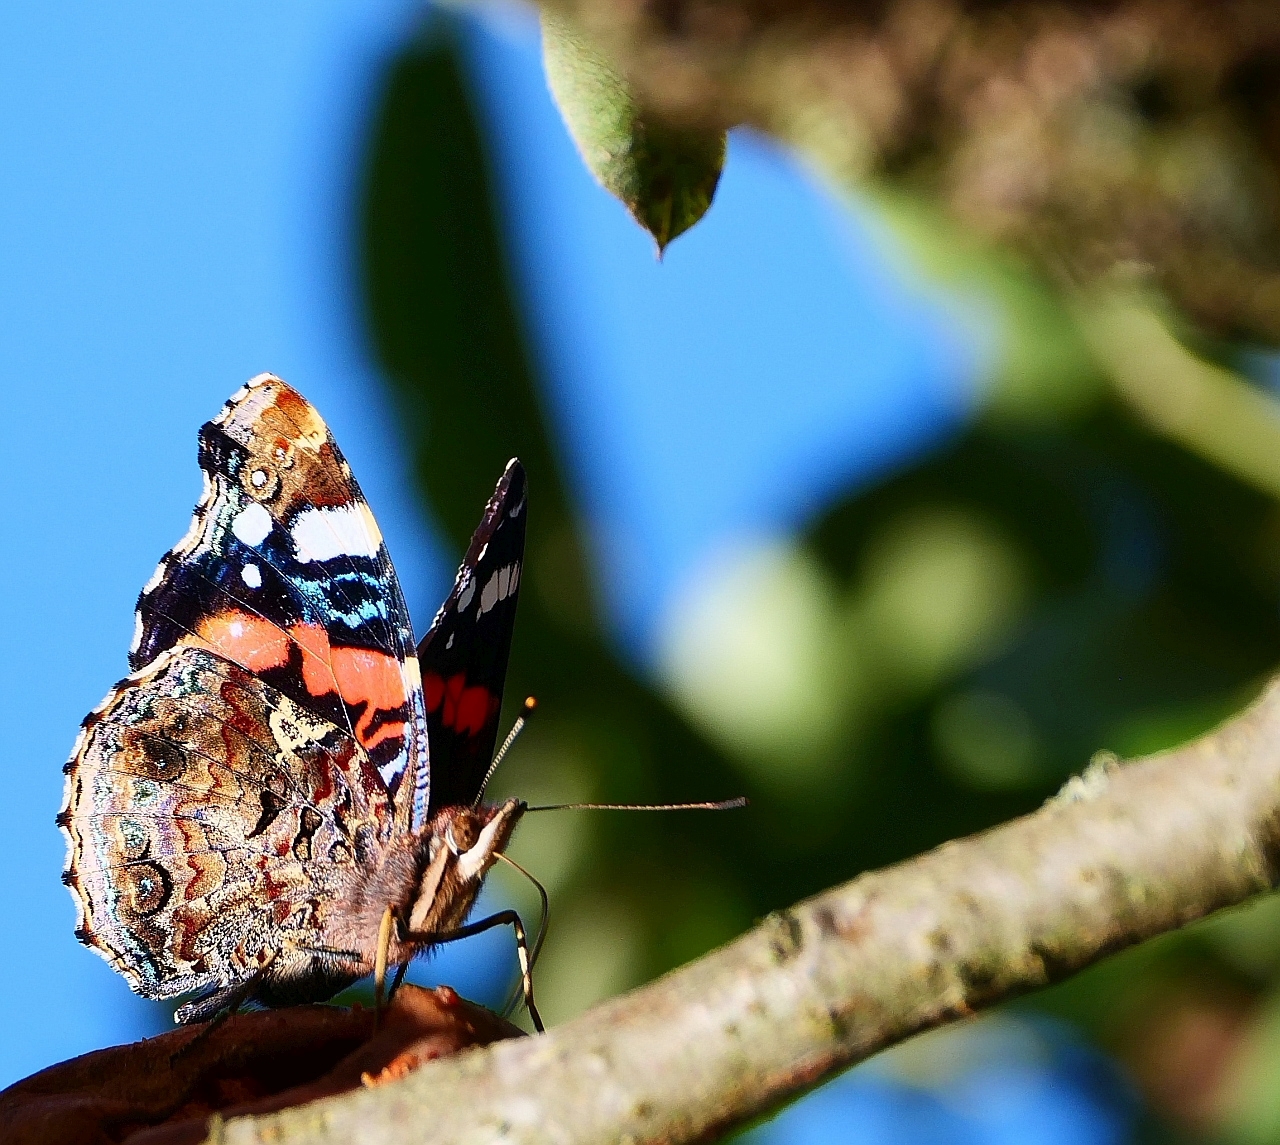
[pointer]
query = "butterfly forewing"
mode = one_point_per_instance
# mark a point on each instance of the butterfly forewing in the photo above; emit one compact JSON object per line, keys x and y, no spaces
{"x":464,"y":655}
{"x":284,"y":572}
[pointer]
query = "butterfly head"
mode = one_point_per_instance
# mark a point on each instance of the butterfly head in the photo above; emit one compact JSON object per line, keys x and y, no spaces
{"x":460,"y":844}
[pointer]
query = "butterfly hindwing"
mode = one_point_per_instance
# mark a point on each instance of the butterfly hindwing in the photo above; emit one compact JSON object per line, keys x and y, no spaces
{"x":211,"y":819}
{"x":284,"y":573}
{"x":464,"y":655}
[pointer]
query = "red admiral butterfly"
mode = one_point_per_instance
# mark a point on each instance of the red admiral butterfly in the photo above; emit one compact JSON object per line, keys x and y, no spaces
{"x":285,"y":795}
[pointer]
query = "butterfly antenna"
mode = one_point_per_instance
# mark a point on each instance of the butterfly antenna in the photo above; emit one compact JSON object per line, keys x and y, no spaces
{"x":722,"y":805}
{"x":530,"y":706}
{"x":543,"y":918}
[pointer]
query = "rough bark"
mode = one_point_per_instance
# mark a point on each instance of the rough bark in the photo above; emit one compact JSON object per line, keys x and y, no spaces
{"x":1123,"y":853}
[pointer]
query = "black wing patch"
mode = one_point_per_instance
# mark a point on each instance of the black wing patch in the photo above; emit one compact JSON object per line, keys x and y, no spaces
{"x":464,"y":655}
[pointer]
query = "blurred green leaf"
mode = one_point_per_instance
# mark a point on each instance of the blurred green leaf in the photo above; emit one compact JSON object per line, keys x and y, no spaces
{"x":1248,"y":937}
{"x":1253,"y":1092}
{"x":1041,"y":368}
{"x":752,"y":652}
{"x":440,"y":306}
{"x":665,"y":174}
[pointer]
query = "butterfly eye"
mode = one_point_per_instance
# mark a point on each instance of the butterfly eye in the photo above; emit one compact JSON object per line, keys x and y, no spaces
{"x":465,"y":832}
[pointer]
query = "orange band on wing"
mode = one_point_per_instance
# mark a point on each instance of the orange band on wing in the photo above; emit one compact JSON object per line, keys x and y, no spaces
{"x":314,"y":639}
{"x":396,"y":729}
{"x":358,"y":675}
{"x":372,"y":677}
{"x":249,"y":640}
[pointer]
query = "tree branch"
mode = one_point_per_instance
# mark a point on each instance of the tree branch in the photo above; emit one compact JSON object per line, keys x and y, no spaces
{"x":1121,"y":854}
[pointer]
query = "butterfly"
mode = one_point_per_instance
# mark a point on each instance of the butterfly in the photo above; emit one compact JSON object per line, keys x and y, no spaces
{"x":285,"y":794}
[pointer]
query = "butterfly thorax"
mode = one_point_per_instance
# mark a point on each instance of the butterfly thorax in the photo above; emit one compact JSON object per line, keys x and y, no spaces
{"x":429,"y":879}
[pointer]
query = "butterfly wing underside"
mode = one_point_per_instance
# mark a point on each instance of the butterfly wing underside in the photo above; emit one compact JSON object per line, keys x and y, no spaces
{"x":464,"y":654}
{"x":213,"y":821}
{"x":228,"y":800}
{"x":284,"y":573}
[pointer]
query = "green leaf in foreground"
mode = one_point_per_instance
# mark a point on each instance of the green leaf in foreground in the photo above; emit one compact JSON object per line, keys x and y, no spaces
{"x":665,"y":175}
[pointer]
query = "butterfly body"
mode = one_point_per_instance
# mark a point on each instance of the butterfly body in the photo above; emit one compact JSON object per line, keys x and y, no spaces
{"x":242,"y":810}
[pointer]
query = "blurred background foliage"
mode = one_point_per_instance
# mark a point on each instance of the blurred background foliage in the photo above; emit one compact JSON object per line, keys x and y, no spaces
{"x":928,"y":657}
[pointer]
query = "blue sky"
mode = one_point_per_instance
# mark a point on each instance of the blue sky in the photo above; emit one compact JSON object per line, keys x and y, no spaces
{"x":175,"y":216}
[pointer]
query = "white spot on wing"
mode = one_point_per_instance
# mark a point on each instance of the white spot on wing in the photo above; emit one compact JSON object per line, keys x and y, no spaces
{"x":136,"y":642}
{"x":468,"y":592}
{"x":489,"y":597}
{"x":252,"y":525}
{"x":342,"y":531}
{"x":252,"y":576}
{"x":259,"y":478}
{"x":370,"y":525}
{"x":501,"y":585}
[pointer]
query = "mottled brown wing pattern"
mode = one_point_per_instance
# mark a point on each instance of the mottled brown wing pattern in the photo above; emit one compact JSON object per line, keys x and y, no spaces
{"x":214,"y":824}
{"x":284,"y":572}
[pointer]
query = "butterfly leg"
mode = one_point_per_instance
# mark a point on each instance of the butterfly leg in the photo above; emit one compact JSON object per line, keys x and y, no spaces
{"x":227,"y":1000}
{"x":395,"y":982}
{"x":380,"y":966}
{"x":502,"y":918}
